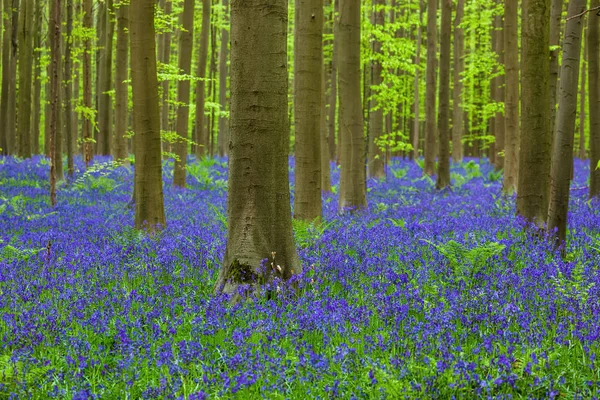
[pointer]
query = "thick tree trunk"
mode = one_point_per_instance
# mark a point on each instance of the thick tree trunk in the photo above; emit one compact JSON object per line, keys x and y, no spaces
{"x":582,"y":113}
{"x":37,"y":80}
{"x":186,"y":41}
{"x":443,"y":173}
{"x":25,"y":73}
{"x":258,"y":204}
{"x":55,"y":61}
{"x":308,"y":75}
{"x":593,"y":49}
{"x":511,"y":102}
{"x":353,"y":186}
{"x":459,"y":66}
{"x":332,"y":112}
{"x":536,"y":143}
{"x":87,"y":85}
{"x":105,"y":83}
{"x":68,"y":87}
{"x":555,"y":24}
{"x":149,"y":205}
{"x":430,"y":98}
{"x":121,"y":86}
{"x":201,"y":132}
{"x":499,"y":121}
{"x":376,"y":159}
{"x":562,"y":158}
{"x":223,"y":128}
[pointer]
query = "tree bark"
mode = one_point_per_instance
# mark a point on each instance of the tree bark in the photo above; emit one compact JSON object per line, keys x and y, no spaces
{"x":56,"y":133}
{"x":8,"y":78}
{"x":511,"y":103}
{"x":562,"y":158}
{"x":582,"y":94}
{"x":499,"y":121}
{"x":258,"y":204}
{"x":536,"y":143}
{"x":459,"y":66}
{"x":353,"y":187}
{"x":202,"y":133}
{"x":165,"y":58}
{"x":149,"y":204}
{"x":87,"y":85}
{"x":556,"y":9}
{"x":376,"y":159}
{"x":308,"y":71}
{"x":25,"y":73}
{"x":430,"y":98}
{"x":37,"y":79}
{"x":105,"y":83}
{"x":54,"y":38}
{"x":325,"y":156}
{"x":332,"y":112}
{"x":121,"y":86}
{"x":443,"y":173}
{"x":593,"y":49}
{"x":223,"y":129}
{"x":68,"y":87}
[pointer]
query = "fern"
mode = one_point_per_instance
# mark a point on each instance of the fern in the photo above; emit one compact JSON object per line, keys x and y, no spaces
{"x":576,"y":287}
{"x":308,"y":232}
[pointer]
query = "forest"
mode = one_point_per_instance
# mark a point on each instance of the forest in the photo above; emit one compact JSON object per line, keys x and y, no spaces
{"x":273,"y":199}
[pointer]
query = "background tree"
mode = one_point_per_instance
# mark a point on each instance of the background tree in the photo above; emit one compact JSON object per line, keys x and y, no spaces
{"x":200,"y":136}
{"x":443,"y":173}
{"x":55,"y":65}
{"x":459,"y":66}
{"x":353,"y":186}
{"x":536,"y":140}
{"x":593,"y":49}
{"x":121,"y":76}
{"x":68,"y":90}
{"x":164,"y":56}
{"x":183,"y":91}
{"x":333,"y":93}
{"x":258,"y":204}
{"x":87,"y":83}
{"x":104,"y":76}
{"x":25,"y":74}
{"x":9,"y":63}
{"x":556,"y":9}
{"x":562,"y":157}
{"x":308,"y":75}
{"x":499,"y":121}
{"x":37,"y":78}
{"x":376,"y":158}
{"x":511,"y":102}
{"x":149,"y":204}
{"x":582,"y":104}
{"x":223,"y":130}
{"x":430,"y":107}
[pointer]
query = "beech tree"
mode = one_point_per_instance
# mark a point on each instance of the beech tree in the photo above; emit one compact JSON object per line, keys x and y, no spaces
{"x":121,"y":86}
{"x":148,"y":190}
{"x":224,"y":50}
{"x":511,"y":100}
{"x":104,"y":76}
{"x":259,"y":221}
{"x":376,"y":159}
{"x":54,"y":31}
{"x":443,"y":173}
{"x":430,"y":109}
{"x":25,"y":73}
{"x":87,"y":83}
{"x":593,"y":49}
{"x":459,"y":65}
{"x":200,"y":136}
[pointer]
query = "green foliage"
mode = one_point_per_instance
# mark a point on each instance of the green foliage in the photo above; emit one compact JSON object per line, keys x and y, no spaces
{"x":10,"y":253}
{"x":576,"y":287}
{"x":202,"y":173}
{"x":399,"y":173}
{"x":96,"y":178}
{"x":307,"y":233}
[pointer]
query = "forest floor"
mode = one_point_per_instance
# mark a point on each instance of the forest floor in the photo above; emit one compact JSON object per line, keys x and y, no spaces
{"x":426,"y":294}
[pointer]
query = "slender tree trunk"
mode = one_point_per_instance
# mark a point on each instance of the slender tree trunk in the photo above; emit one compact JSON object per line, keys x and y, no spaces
{"x":562,"y":159}
{"x":57,"y":133}
{"x":186,"y":41}
{"x":149,"y":204}
{"x":593,"y":49}
{"x":308,"y":71}
{"x":499,"y":121}
{"x":536,"y":144}
{"x":556,"y":9}
{"x":333,"y":90}
{"x":201,"y":132}
{"x":7,"y":128}
{"x":121,"y":86}
{"x":582,"y":94}
{"x":511,"y":103}
{"x":376,"y":159}
{"x":37,"y":79}
{"x":55,"y":61}
{"x":223,"y":129}
{"x":259,"y":221}
{"x":105,"y":82}
{"x":87,"y":85}
{"x":165,"y":58}
{"x":417,"y":121}
{"x":459,"y":66}
{"x":212,"y":88}
{"x":68,"y":82}
{"x":325,"y":156}
{"x":25,"y":73}
{"x":353,"y":187}
{"x":430,"y":98}
{"x":443,"y":175}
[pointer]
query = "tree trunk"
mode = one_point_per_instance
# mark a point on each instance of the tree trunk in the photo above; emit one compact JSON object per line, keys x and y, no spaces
{"x":459,"y":66}
{"x":511,"y":102}
{"x":333,"y":90}
{"x":87,"y":85}
{"x":165,"y":58}
{"x":201,"y":132}
{"x":105,"y":83}
{"x":25,"y":72}
{"x":55,"y":61}
{"x":57,"y":132}
{"x":7,"y":128}
{"x":562,"y":158}
{"x":308,"y":75}
{"x":536,"y":144}
{"x":430,"y":109}
{"x":186,"y":41}
{"x":223,"y":134}
{"x":353,"y":186}
{"x":212,"y":87}
{"x":417,"y":121}
{"x":443,"y":173}
{"x":121,"y":86}
{"x":325,"y":156}
{"x":37,"y":79}
{"x":582,"y":94}
{"x":499,"y":122}
{"x":555,"y":20}
{"x":593,"y":49}
{"x":258,"y":204}
{"x":149,"y":206}
{"x":376,"y":159}
{"x":68,"y":82}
